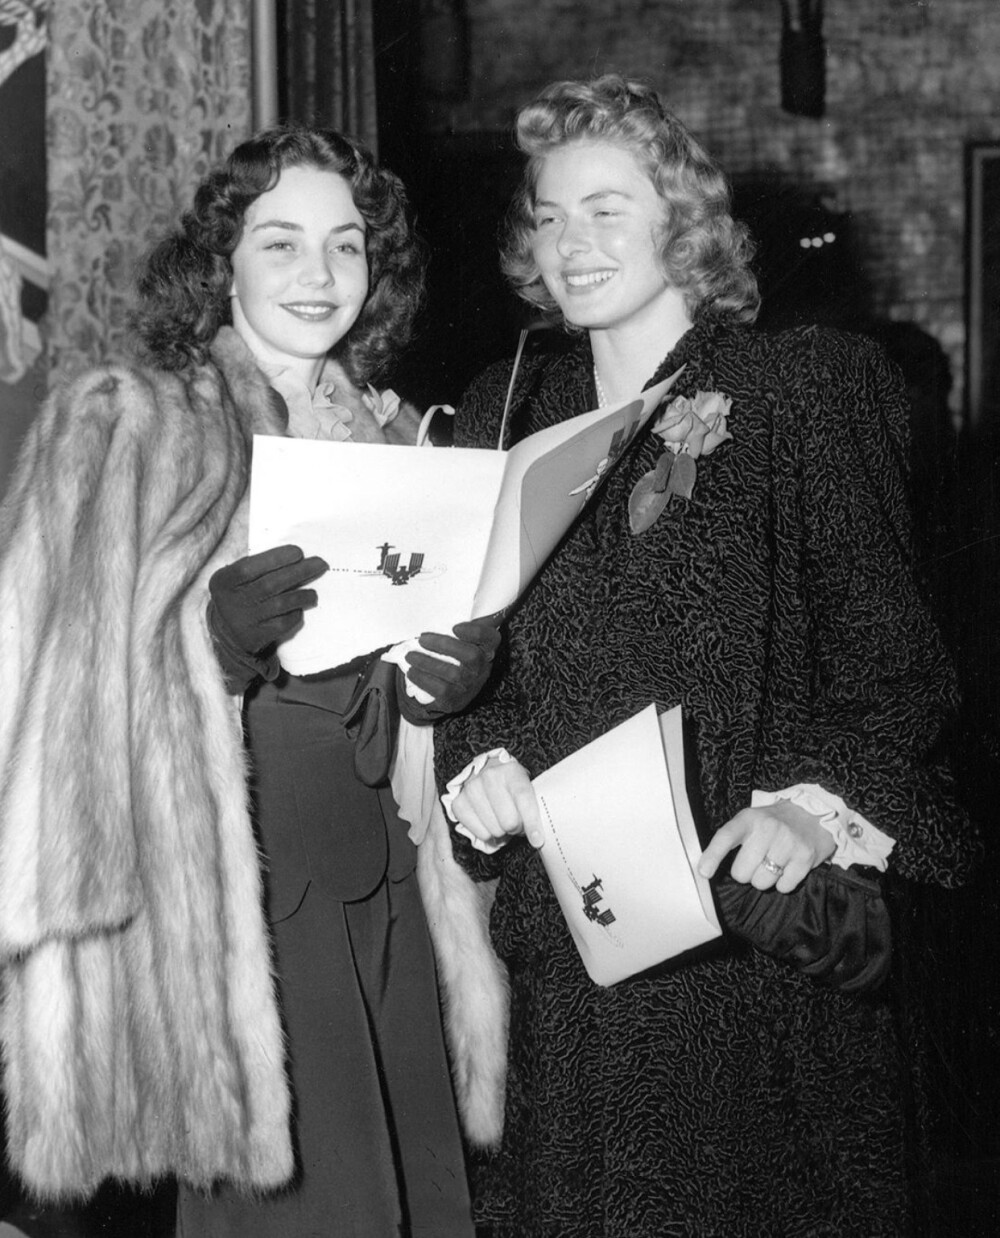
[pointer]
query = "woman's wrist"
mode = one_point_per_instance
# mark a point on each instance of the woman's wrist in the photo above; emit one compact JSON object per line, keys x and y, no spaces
{"x":857,"y":840}
{"x":239,"y":668}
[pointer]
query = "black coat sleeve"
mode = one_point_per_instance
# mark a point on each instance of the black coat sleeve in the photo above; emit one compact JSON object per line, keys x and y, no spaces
{"x":883,"y":694}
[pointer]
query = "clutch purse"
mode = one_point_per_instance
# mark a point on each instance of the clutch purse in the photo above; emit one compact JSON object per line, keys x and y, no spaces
{"x":834,"y":927}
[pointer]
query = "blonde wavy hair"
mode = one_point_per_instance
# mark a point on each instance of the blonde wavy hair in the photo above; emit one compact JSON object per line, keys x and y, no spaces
{"x":704,"y":252}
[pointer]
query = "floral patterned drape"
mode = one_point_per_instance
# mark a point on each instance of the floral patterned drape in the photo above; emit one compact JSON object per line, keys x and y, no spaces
{"x":326,"y":73}
{"x":143,"y":97}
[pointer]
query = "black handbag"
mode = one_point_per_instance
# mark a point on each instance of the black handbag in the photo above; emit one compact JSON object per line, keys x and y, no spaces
{"x":834,"y":927}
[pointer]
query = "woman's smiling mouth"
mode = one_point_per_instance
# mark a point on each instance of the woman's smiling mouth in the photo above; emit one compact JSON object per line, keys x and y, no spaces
{"x":587,"y":279}
{"x":311,"y":311}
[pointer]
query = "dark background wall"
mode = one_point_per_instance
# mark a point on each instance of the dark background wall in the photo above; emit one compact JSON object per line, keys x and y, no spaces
{"x":907,"y":84}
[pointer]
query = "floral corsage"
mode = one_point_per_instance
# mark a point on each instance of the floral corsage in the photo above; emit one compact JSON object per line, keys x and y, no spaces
{"x":689,"y":429}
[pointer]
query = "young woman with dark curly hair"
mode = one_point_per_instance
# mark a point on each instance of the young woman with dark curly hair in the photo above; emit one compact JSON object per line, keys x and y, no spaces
{"x":748,"y":559}
{"x":189,"y":815}
{"x":185,"y":286}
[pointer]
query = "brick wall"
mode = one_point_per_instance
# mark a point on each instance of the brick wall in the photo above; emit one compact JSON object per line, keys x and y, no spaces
{"x":908,"y":83}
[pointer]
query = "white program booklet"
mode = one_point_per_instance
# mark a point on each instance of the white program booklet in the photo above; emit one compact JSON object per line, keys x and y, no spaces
{"x":621,"y":848}
{"x":418,"y":540}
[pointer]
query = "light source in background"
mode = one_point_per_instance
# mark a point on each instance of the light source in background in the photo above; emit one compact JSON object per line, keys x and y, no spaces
{"x":808,"y":260}
{"x":803,"y":58}
{"x":817,"y":242}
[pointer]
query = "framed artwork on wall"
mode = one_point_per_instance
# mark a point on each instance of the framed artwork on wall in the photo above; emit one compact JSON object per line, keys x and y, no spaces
{"x":982,"y":285}
{"x":23,"y":270}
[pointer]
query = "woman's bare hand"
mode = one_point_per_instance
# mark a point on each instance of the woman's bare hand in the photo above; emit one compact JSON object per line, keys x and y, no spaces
{"x":778,"y":846}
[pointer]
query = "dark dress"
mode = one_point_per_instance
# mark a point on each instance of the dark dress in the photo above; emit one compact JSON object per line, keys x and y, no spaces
{"x":377,"y":1142}
{"x":728,"y":1096}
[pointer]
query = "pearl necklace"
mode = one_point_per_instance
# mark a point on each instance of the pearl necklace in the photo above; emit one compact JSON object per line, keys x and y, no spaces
{"x":602,"y":399}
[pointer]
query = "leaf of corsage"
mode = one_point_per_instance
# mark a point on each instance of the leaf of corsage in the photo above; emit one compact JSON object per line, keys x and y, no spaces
{"x":647,"y":500}
{"x":661,"y":474}
{"x":682,"y":476}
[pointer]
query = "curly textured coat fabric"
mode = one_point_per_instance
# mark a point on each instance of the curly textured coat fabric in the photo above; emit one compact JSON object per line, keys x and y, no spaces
{"x":725,"y":1095}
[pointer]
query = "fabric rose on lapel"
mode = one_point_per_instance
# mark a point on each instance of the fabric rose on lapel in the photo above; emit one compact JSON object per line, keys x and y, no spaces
{"x":695,"y":426}
{"x":689,"y":428}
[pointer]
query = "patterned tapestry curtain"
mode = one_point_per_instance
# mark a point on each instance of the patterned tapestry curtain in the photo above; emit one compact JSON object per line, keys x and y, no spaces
{"x":326,"y":65}
{"x":143,"y":96}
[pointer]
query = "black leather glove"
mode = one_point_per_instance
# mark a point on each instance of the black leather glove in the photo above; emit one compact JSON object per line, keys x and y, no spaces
{"x":255,"y":603}
{"x":453,"y":687}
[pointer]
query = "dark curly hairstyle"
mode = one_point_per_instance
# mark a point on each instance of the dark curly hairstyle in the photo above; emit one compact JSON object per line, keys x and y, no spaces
{"x":184,"y":283}
{"x":704,"y":252}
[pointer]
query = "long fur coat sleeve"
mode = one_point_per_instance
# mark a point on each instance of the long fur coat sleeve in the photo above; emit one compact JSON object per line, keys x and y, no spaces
{"x":139,"y":1024}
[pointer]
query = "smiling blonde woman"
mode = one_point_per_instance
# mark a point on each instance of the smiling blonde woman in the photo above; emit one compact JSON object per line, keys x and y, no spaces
{"x":749,"y":560}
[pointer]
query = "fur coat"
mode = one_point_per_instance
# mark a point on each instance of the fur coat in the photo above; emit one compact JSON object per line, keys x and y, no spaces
{"x":140,"y":1030}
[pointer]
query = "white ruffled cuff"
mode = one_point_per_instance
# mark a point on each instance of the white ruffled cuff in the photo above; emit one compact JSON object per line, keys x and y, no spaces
{"x":858,"y":841}
{"x":455,"y":785}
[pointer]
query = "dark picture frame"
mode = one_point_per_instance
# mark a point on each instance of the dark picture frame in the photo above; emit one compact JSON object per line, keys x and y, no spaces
{"x":23,"y":199}
{"x":982,"y":285}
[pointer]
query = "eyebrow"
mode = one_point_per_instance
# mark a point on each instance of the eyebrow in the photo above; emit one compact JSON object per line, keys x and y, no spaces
{"x":597,"y":196}
{"x":288,"y":226}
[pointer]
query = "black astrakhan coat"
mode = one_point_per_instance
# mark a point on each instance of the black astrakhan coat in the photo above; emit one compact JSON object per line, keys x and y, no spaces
{"x":728,"y":1096}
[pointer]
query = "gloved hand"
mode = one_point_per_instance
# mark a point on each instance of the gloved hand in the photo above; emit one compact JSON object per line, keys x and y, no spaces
{"x":453,"y":685}
{"x":258,"y":601}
